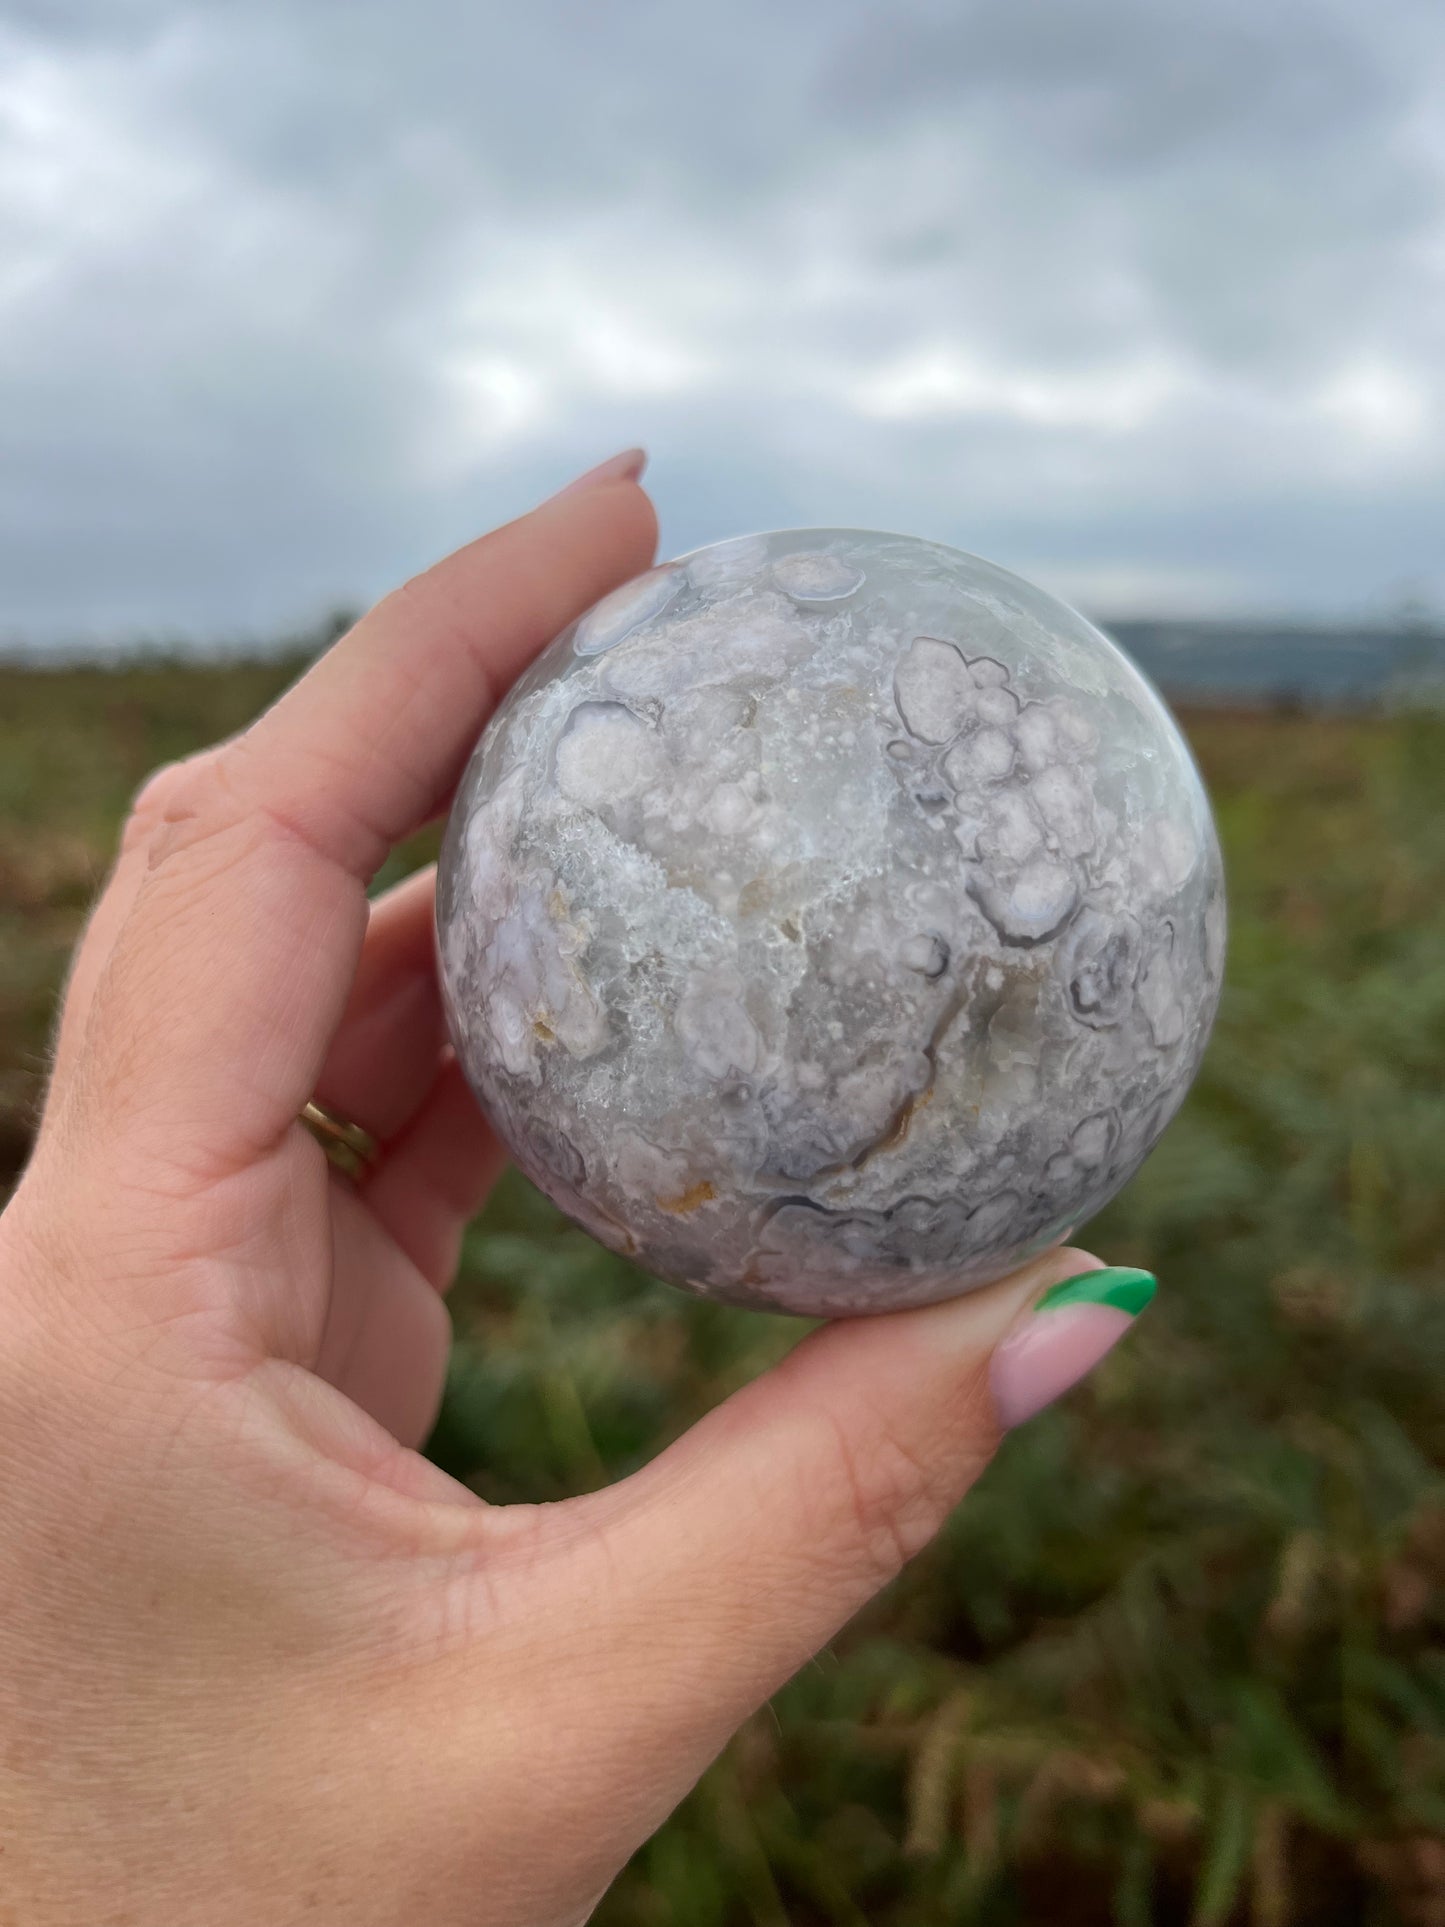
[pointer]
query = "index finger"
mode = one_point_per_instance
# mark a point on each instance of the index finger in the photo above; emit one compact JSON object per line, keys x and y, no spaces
{"x":212,"y":1012}
{"x":371,"y":740}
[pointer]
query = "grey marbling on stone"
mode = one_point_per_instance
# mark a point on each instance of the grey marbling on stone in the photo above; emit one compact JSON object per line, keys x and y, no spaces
{"x":831,"y":920}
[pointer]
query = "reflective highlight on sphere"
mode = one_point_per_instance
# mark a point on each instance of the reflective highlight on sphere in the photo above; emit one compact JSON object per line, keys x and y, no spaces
{"x":830,"y":921}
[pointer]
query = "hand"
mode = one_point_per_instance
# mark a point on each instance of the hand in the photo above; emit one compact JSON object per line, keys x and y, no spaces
{"x":260,"y":1661}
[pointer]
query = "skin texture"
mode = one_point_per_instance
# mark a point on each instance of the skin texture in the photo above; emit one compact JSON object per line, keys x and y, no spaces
{"x":259,"y":1661}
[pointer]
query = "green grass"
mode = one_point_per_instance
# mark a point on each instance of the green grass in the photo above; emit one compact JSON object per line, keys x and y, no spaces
{"x":1181,"y":1658}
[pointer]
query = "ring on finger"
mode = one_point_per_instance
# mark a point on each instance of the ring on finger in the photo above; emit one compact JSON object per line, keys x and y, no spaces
{"x":348,"y":1146}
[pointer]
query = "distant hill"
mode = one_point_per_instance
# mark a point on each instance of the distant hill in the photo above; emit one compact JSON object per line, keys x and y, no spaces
{"x":1233,"y":664}
{"x":1264,"y":664}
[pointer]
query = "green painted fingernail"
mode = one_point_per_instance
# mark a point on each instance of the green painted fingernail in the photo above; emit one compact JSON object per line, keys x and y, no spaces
{"x":1120,"y":1286}
{"x":1043,"y":1356}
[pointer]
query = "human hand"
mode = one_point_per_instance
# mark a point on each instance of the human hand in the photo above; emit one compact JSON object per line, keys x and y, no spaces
{"x":259,"y":1660}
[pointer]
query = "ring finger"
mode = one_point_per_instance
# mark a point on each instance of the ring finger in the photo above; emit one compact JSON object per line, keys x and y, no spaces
{"x":387,"y":1051}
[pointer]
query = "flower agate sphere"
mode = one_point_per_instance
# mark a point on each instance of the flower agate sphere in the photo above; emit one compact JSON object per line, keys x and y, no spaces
{"x":830,"y":921}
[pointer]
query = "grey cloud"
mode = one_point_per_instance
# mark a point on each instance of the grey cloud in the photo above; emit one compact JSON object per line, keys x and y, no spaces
{"x":1136,"y":83}
{"x":1124,"y":293}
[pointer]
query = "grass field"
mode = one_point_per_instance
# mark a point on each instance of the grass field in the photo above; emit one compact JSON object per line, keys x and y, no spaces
{"x":1182,"y":1656}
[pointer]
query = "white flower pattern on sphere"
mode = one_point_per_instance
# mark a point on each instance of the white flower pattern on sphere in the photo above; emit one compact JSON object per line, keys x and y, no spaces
{"x":830,"y":920}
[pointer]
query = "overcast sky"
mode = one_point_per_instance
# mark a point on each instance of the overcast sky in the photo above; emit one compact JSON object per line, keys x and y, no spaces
{"x":1143,"y":298}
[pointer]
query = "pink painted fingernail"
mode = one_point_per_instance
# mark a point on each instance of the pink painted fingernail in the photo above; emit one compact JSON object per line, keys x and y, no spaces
{"x":1070,"y":1329}
{"x":626,"y":467}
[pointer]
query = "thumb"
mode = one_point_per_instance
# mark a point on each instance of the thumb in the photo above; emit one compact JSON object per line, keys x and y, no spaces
{"x":745,"y":1546}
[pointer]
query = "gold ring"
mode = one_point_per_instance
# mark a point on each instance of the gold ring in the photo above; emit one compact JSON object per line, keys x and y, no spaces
{"x":351,"y":1149}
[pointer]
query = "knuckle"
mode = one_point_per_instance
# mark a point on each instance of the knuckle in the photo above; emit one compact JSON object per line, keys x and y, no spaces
{"x":427,"y":604}
{"x":894,"y":1495}
{"x":150,"y":804}
{"x":173,"y":797}
{"x":204,"y":801}
{"x":412,"y":606}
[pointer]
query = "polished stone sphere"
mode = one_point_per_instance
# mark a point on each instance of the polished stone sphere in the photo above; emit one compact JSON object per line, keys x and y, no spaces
{"x":830,"y":921}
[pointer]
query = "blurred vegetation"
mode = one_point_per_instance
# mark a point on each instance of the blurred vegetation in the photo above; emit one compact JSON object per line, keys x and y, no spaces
{"x":1182,"y":1656}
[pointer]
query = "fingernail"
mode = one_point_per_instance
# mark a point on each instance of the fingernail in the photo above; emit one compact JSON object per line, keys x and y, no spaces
{"x":625,"y":467}
{"x":1069,"y":1330}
